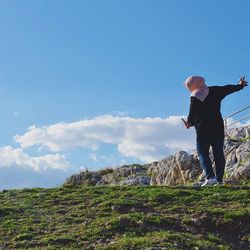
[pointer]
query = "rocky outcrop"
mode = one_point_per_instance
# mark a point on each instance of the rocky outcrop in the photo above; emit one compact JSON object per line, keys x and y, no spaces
{"x":84,"y":178}
{"x":134,"y":174}
{"x":176,"y":169}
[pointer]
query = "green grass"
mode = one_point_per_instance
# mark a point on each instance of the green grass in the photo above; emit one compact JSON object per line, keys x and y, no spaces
{"x":236,"y":139}
{"x":123,"y":217}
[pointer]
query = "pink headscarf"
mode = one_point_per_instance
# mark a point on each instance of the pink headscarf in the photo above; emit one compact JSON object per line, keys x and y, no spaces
{"x":197,"y":86}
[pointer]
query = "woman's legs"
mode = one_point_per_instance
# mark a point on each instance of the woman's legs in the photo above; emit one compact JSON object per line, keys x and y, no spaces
{"x":219,"y":158}
{"x":202,"y":147}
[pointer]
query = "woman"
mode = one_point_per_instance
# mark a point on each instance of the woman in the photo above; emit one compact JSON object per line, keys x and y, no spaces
{"x":205,"y":115}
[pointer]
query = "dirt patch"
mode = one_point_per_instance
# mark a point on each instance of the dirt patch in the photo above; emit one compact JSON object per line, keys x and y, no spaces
{"x":233,"y":232}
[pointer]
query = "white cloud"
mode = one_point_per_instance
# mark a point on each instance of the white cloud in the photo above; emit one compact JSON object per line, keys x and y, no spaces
{"x":93,"y":157}
{"x":122,"y":113}
{"x":12,"y":157}
{"x":110,"y":159}
{"x":147,"y":139}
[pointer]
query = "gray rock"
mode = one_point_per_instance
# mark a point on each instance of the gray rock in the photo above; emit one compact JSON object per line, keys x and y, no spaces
{"x":134,"y":181}
{"x":241,"y":172}
{"x":237,"y":133}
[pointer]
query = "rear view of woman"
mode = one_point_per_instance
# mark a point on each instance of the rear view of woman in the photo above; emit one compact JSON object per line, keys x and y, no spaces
{"x":205,"y":115}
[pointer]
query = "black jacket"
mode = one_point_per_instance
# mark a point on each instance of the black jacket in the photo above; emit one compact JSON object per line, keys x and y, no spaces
{"x":206,"y":115}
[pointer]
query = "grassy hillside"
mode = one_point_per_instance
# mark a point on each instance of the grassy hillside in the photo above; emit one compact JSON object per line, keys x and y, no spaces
{"x":123,"y":217}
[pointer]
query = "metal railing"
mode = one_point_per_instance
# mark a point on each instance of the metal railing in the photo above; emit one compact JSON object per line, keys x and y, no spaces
{"x":241,"y":119}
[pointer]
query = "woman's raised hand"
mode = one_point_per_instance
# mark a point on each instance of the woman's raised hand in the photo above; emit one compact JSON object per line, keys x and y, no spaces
{"x":242,"y":81}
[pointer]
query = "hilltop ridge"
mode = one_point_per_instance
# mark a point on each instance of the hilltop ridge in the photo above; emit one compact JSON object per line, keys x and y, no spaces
{"x":178,"y":169}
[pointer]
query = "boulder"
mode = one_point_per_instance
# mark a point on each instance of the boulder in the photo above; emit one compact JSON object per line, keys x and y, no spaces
{"x":174,"y":170}
{"x":238,"y":162}
{"x":84,"y":178}
{"x":237,"y":154}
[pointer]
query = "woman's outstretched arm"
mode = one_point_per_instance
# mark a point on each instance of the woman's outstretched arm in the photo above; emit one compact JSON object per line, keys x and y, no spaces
{"x":229,"y":89}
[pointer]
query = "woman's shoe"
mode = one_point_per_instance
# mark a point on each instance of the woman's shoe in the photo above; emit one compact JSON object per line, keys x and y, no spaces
{"x":210,"y":182}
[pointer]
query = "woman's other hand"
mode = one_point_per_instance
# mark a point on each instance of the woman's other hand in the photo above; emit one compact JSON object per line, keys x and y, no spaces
{"x":242,"y":81}
{"x":188,"y":125}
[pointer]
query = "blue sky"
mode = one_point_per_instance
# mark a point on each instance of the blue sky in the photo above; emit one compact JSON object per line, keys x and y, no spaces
{"x":101,"y":81}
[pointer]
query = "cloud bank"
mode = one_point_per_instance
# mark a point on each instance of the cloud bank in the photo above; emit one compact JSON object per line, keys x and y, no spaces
{"x":16,"y":157}
{"x":146,"y":139}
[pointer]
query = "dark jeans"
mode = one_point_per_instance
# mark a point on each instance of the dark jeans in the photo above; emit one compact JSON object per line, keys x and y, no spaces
{"x":203,"y":146}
